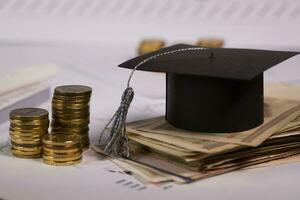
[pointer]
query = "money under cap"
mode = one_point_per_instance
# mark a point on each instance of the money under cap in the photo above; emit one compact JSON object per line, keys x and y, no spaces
{"x":214,"y":90}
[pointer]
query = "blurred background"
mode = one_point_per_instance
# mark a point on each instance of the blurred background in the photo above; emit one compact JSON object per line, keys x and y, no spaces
{"x":86,"y":39}
{"x":250,"y":23}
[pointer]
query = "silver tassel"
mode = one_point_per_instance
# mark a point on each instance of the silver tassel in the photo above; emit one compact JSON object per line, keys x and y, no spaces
{"x":116,"y":145}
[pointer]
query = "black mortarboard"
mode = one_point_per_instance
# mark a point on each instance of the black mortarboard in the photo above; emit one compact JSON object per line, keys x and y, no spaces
{"x":213,"y":90}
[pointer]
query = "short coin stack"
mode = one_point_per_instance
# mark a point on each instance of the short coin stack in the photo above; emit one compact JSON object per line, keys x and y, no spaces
{"x":71,"y":111}
{"x":150,"y":45}
{"x":211,"y":43}
{"x":27,"y":127}
{"x":61,"y":149}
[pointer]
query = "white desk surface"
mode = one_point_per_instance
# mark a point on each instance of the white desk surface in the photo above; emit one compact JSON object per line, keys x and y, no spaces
{"x":93,"y":178}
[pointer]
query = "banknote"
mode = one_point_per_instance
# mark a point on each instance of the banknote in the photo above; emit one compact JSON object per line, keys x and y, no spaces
{"x":282,"y":91}
{"x":141,"y":172}
{"x":191,"y":145}
{"x":278,"y":113}
{"x":161,"y":153}
{"x":154,"y":169}
{"x":292,"y":126}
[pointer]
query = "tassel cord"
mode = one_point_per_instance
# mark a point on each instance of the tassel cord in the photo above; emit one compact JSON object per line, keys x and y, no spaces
{"x":117,"y":144}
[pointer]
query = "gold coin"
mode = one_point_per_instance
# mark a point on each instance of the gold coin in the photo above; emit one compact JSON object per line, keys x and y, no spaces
{"x":13,"y":128}
{"x":59,"y":159}
{"x":72,"y":121}
{"x":70,"y":102}
{"x":30,"y":122}
{"x":62,"y":155}
{"x":82,"y":129}
{"x":26,"y":145}
{"x":78,"y":112}
{"x":27,"y":156}
{"x":65,"y":111}
{"x":26,"y":149}
{"x":84,"y":137}
{"x":61,"y":139}
{"x":59,"y":163}
{"x":70,"y":117}
{"x":147,"y":46}
{"x":62,"y":148}
{"x":28,"y":113}
{"x":85,"y":144}
{"x":27,"y":130}
{"x":70,"y":107}
{"x":73,"y":90}
{"x":69,"y":126}
{"x":59,"y":123}
{"x":25,"y":153}
{"x":73,"y":150}
{"x":72,"y":98}
{"x":21,"y":141}
{"x":34,"y":135}
{"x":26,"y":138}
{"x":72,"y":132}
{"x":210,"y":43}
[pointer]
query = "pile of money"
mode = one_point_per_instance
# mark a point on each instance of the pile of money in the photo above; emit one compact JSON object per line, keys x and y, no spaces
{"x":160,"y":152}
{"x":147,"y":46}
{"x":71,"y":111}
{"x":62,"y":149}
{"x":27,"y":127}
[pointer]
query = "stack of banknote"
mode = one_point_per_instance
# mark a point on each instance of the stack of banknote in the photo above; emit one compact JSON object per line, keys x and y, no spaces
{"x":160,"y":152}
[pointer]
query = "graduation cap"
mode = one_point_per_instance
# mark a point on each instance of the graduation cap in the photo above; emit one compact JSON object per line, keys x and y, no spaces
{"x":208,"y":90}
{"x":216,"y":90}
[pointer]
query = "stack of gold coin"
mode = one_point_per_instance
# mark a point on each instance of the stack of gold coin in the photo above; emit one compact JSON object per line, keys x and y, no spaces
{"x":147,"y":46}
{"x":210,"y":43}
{"x":71,"y":111}
{"x":62,"y":149}
{"x":27,"y":127}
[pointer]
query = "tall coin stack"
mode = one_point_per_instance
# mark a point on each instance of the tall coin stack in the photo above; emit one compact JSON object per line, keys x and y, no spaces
{"x":27,"y":127}
{"x":62,"y":149}
{"x":71,"y":111}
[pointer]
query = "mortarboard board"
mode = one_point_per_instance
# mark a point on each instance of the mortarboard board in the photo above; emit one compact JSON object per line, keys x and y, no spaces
{"x":214,"y":90}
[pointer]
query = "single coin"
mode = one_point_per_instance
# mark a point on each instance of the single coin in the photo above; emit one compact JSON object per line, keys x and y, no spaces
{"x":26,"y":145}
{"x":73,"y":97}
{"x":71,"y":107}
{"x":28,"y":113}
{"x":62,"y":155}
{"x":63,"y":147}
{"x":26,"y":138}
{"x":24,"y":142}
{"x":30,"y":122}
{"x":61,"y":139}
{"x":58,"y":151}
{"x":27,"y":134}
{"x":61,"y":159}
{"x":59,"y":163}
{"x":27,"y":156}
{"x":26,"y":149}
{"x":29,"y":128}
{"x":25,"y":153}
{"x":73,"y":90}
{"x":76,"y":100}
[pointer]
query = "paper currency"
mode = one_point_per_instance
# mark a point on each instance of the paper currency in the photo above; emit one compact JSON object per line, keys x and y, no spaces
{"x":277,"y":114}
{"x":161,"y":153}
